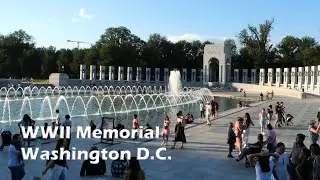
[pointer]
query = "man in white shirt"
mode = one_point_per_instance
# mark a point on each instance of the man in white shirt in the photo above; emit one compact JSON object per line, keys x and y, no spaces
{"x":202,"y":110}
{"x":58,"y":119}
{"x":280,"y":171}
{"x":208,"y":113}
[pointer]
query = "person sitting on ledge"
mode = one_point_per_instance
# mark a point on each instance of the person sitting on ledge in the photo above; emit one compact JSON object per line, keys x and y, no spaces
{"x":188,"y":119}
{"x":252,"y":148}
{"x":118,"y":167}
{"x":90,"y":169}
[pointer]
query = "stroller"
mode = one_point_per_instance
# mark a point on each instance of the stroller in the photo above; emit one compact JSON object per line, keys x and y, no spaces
{"x":289,"y":119}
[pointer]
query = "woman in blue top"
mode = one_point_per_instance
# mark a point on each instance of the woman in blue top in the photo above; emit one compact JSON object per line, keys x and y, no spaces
{"x":15,"y":164}
{"x":263,"y":120}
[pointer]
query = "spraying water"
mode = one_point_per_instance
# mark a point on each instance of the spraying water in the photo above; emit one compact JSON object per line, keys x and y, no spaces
{"x":175,"y":82}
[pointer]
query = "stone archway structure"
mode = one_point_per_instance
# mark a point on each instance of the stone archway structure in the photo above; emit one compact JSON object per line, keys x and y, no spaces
{"x":216,"y":62}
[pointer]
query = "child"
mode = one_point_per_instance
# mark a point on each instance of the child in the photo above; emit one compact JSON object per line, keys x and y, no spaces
{"x":165,"y":130}
{"x":231,"y":139}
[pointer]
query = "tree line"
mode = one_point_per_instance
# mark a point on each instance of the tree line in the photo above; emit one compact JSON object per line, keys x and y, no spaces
{"x":117,"y":46}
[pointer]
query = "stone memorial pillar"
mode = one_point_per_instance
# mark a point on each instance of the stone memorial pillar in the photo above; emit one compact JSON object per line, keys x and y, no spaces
{"x":312,"y":77}
{"x":245,"y":76}
{"x":201,"y":75}
{"x":129,"y":74}
{"x":138,"y":77}
{"x":270,"y":76}
{"x":253,"y":76}
{"x":286,"y":76}
{"x":278,"y":77}
{"x":157,"y":74}
{"x":93,"y":72}
{"x":166,"y":75}
{"x":205,"y":74}
{"x":184,"y":75}
{"x":294,"y":74}
{"x":148,"y":73}
{"x":262,"y":76}
{"x":306,"y":77}
{"x":102,"y":75}
{"x":300,"y":77}
{"x":236,"y":75}
{"x":120,"y":73}
{"x":193,"y":75}
{"x":111,"y":73}
{"x":83,"y":72}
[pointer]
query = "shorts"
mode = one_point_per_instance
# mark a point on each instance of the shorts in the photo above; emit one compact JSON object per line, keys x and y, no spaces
{"x":263,"y":123}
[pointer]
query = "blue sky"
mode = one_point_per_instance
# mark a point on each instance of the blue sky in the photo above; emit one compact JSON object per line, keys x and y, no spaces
{"x":53,"y":22}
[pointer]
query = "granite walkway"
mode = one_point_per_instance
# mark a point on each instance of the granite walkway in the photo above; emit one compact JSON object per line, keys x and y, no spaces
{"x":204,"y":155}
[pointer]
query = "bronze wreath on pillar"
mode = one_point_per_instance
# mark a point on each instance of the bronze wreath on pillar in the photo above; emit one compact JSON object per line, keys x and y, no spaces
{"x":311,"y":73}
{"x":278,"y":74}
{"x":270,"y":74}
{"x":318,"y":73}
{"x":300,"y":74}
{"x":261,"y":74}
{"x":306,"y":73}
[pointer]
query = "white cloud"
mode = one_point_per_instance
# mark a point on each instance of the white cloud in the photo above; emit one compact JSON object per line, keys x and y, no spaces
{"x":192,"y":37}
{"x":82,"y":15}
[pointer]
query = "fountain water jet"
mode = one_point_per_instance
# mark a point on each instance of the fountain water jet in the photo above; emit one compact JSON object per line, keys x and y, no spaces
{"x":175,"y":82}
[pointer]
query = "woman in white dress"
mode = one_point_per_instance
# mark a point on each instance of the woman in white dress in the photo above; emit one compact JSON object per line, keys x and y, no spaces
{"x":246,"y":129}
{"x":208,"y":113}
{"x":263,"y":164}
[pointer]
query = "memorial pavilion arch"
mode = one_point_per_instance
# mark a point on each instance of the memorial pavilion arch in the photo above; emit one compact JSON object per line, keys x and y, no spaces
{"x":213,"y":70}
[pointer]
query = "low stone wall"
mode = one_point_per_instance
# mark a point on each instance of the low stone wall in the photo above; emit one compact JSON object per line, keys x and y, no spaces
{"x":278,"y":91}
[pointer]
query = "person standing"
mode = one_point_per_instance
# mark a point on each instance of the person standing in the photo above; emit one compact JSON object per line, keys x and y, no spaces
{"x":15,"y":163}
{"x":238,"y":127}
{"x":296,"y":158}
{"x":313,"y":132}
{"x":26,"y":122}
{"x":272,"y":139}
{"x":263,"y":120}
{"x":281,"y":167}
{"x":318,"y":116}
{"x":202,"y":110}
{"x":67,"y":123}
{"x":179,"y":130}
{"x":263,"y":164}
{"x":208,"y":113}
{"x":135,"y":125}
{"x":246,"y":129}
{"x":165,"y":130}
{"x":231,"y":139}
{"x":57,"y":121}
{"x":269,"y":114}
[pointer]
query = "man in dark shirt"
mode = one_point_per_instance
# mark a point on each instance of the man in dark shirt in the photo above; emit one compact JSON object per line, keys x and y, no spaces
{"x":89,"y":169}
{"x":253,"y":148}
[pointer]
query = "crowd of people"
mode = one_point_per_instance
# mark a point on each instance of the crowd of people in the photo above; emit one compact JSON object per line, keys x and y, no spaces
{"x":275,"y":163}
{"x":302,"y":163}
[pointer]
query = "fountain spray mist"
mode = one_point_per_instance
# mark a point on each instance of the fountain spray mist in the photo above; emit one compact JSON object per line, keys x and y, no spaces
{"x":175,"y":82}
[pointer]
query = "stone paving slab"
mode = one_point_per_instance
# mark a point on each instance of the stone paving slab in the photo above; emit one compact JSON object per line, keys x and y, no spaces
{"x":204,"y":155}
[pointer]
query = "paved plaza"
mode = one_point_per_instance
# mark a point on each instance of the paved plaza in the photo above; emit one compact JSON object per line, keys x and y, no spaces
{"x":205,"y":153}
